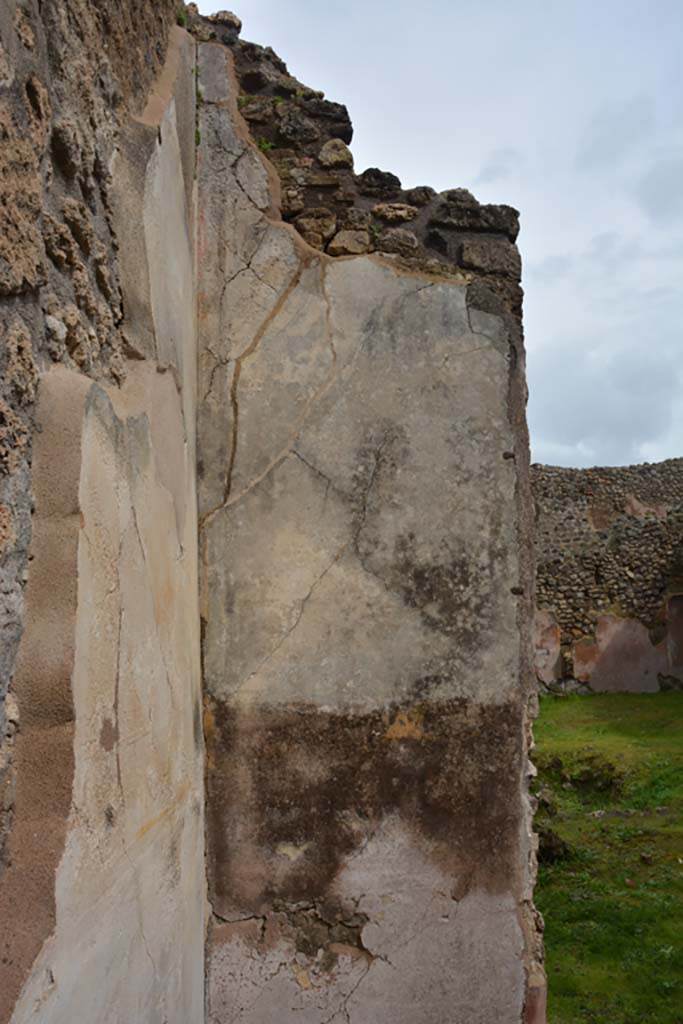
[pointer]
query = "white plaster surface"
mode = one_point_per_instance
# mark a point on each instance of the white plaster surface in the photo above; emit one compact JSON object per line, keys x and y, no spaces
{"x":130,"y":888}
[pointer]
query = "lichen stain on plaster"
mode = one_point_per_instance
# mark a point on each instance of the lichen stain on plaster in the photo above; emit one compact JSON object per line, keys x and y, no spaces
{"x":407,"y":725}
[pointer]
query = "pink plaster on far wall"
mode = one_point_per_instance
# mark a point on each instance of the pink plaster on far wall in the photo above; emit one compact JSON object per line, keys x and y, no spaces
{"x":674,"y":636}
{"x":547,"y":659}
{"x":635,"y":507}
{"x":622,"y":657}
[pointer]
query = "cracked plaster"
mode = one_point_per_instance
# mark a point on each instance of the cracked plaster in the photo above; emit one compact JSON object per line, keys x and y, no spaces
{"x":361,"y":576}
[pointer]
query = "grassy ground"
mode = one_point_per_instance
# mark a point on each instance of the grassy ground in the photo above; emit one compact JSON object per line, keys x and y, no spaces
{"x":610,"y":883}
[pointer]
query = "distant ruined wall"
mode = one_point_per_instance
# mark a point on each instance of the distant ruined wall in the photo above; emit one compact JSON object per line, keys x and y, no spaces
{"x":366,"y":587}
{"x":609,"y":583}
{"x":262,"y":434}
{"x":102,"y":865}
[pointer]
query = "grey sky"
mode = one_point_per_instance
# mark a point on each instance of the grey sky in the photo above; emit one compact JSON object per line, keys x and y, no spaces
{"x":571,"y":111}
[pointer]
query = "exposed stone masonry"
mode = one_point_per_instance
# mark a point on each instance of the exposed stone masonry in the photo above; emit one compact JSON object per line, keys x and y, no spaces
{"x":306,"y":137}
{"x":609,"y":541}
{"x":247,"y":389}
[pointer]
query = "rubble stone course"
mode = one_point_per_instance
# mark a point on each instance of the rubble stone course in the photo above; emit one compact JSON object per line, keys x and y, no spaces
{"x":609,"y":541}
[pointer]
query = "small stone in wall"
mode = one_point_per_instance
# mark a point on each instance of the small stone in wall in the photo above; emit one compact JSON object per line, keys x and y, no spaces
{"x":382,"y":184}
{"x":395,"y":213}
{"x":458,"y":209}
{"x":23,"y":29}
{"x":292,"y":202}
{"x":202,"y":32}
{"x":317,"y":226}
{"x":398,"y":240}
{"x":14,"y":439}
{"x":351,"y":242}
{"x":421,"y":195}
{"x":78,"y":219}
{"x":56,"y":333}
{"x":492,"y":255}
{"x":335,"y":153}
{"x":321,"y":179}
{"x":227,"y":18}
{"x":256,"y":109}
{"x":288,"y":85}
{"x":294,"y":128}
{"x":353,"y":218}
{"x":7,"y":532}
{"x":6,"y":69}
{"x":20,"y":373}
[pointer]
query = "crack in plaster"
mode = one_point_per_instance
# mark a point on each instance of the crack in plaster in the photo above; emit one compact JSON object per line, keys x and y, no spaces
{"x":265,"y":981}
{"x":157,"y":628}
{"x":493,"y":342}
{"x":248,"y":351}
{"x":291,"y":629}
{"x":117,"y":684}
{"x":344,"y":1005}
{"x":283,"y":454}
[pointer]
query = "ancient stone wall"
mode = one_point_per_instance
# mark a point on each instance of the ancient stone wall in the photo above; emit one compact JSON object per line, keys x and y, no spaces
{"x":610,"y":569}
{"x":247,"y":390}
{"x":101,"y":872}
{"x":366,"y":577}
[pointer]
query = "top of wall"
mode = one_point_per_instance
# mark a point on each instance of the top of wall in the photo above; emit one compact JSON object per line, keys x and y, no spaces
{"x":305,"y":137}
{"x":594,"y":498}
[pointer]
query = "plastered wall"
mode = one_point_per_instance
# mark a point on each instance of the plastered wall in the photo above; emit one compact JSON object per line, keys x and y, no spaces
{"x":102,"y":893}
{"x":268,"y":580}
{"x":364,"y":532}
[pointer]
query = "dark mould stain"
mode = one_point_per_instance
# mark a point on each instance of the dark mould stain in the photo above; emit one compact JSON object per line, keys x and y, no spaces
{"x":449,"y":594}
{"x":293,"y":792}
{"x":109,"y":735}
{"x":197,"y":730}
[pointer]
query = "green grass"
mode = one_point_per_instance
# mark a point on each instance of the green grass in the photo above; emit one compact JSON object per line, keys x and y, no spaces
{"x":613,"y":896}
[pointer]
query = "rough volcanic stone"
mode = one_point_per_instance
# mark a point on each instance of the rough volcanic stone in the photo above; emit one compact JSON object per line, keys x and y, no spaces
{"x":382,"y":184}
{"x":458,"y":209}
{"x":421,"y":195}
{"x":333,"y":118}
{"x":294,"y":127}
{"x":394,"y":213}
{"x":227,"y":18}
{"x":292,"y":202}
{"x":491,"y":255}
{"x":354,"y":218}
{"x":317,"y":225}
{"x":257,"y":109}
{"x":349,"y":243}
{"x":335,"y":153}
{"x":398,"y":240}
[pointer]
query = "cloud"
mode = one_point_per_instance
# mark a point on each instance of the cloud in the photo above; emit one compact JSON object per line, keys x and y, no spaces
{"x":614,"y":132}
{"x":550,"y":269}
{"x":659,"y":191}
{"x":499,"y":164}
{"x":608,"y":398}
